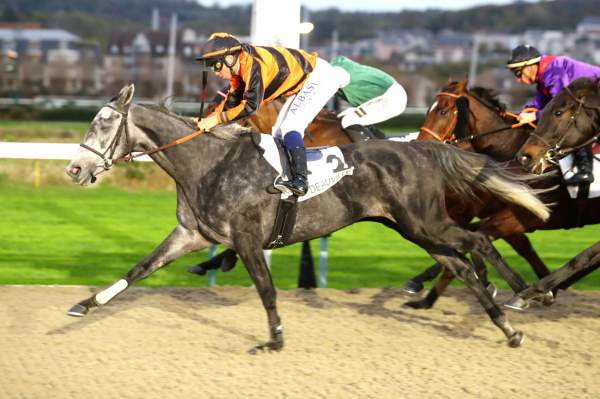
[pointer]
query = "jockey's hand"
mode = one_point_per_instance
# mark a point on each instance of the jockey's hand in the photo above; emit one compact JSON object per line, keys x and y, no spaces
{"x":208,"y":123}
{"x":527,"y":117}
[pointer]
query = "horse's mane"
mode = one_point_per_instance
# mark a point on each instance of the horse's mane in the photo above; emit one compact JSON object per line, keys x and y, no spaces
{"x":586,"y":84}
{"x":485,"y":95}
{"x":488,"y":96}
{"x":231,"y":131}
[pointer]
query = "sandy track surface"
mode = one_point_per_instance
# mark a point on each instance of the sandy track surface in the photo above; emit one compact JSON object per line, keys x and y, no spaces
{"x":184,"y":343}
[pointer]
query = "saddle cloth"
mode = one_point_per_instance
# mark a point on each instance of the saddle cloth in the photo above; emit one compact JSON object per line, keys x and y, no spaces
{"x":566,"y":167}
{"x":326,"y":166}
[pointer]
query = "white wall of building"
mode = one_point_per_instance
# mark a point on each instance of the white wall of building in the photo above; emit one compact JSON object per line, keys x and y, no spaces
{"x":276,"y":23}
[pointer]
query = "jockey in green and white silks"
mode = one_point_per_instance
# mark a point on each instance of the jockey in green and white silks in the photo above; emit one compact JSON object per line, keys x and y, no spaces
{"x":374,"y":97}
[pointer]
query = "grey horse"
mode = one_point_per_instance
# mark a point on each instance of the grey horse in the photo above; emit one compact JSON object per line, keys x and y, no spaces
{"x":221,"y":183}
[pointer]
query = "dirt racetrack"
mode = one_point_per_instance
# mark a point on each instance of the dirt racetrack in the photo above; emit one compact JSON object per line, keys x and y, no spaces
{"x":192,"y":343}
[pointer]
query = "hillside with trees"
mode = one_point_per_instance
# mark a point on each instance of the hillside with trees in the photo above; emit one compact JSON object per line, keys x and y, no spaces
{"x":92,"y":20}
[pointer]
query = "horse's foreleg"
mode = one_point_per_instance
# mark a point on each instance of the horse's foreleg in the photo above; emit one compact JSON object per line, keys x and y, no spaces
{"x":415,"y":284}
{"x":588,"y":260}
{"x":177,"y":244}
{"x":252,"y":255}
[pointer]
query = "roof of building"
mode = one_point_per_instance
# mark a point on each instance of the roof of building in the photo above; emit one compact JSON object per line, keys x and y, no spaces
{"x":38,"y":35}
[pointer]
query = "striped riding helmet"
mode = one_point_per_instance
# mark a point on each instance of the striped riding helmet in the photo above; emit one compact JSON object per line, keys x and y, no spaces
{"x":218,"y":46}
{"x":522,"y":56}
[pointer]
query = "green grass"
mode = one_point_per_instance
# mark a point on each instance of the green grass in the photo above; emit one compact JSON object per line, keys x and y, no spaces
{"x":42,"y":131}
{"x":73,"y":235}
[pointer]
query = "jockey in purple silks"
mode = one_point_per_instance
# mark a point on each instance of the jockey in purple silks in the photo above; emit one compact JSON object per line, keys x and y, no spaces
{"x":551,"y":74}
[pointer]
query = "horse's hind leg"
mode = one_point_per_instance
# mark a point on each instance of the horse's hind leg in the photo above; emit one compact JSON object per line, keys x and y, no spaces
{"x":177,"y":244}
{"x":225,"y":261}
{"x":478,"y":244}
{"x":463,"y":272}
{"x":440,"y":286}
{"x":434,"y":293}
{"x":415,"y":284}
{"x":252,"y":255}
{"x":523,"y":247}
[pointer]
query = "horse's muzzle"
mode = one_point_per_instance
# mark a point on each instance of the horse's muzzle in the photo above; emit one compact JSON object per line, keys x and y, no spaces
{"x":78,"y":176}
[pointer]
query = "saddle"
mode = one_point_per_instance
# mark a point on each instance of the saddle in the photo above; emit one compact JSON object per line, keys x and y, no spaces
{"x":326,"y":167}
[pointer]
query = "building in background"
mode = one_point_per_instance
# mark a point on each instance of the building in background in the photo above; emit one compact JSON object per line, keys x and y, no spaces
{"x":49,"y":61}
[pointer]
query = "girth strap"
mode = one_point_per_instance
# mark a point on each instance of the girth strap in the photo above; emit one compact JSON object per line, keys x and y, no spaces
{"x":285,"y":219}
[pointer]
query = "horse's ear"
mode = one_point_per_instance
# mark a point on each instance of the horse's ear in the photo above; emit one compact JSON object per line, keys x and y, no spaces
{"x":461,"y":86}
{"x":123,"y":99}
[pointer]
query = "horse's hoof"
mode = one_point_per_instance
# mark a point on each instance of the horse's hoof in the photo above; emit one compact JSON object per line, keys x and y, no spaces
{"x":492,"y":290}
{"x":412,"y":287}
{"x":78,"y":310}
{"x":422,"y":304}
{"x":547,"y":298}
{"x":198,"y":269}
{"x":516,"y":339}
{"x":271,"y":346}
{"x":517,"y":303}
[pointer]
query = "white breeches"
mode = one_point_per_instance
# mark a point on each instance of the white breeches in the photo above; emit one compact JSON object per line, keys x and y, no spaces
{"x":378,"y":109}
{"x":300,"y":109}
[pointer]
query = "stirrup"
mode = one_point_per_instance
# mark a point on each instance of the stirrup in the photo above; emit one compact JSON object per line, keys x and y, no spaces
{"x":579,"y":178}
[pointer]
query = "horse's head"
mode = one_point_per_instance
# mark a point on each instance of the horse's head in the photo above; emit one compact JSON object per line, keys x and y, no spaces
{"x":448,"y":115}
{"x":570,"y":121}
{"x":106,"y":139}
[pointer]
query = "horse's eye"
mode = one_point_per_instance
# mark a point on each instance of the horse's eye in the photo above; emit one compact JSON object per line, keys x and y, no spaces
{"x":443,"y":112}
{"x":558,"y":113}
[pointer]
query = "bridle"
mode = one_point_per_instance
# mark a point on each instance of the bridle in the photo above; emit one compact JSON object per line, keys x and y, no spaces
{"x":123,"y":130}
{"x":471,"y":137}
{"x":440,"y":137}
{"x":557,"y":151}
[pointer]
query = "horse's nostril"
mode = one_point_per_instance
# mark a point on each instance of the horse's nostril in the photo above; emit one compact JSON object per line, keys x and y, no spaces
{"x":75,"y":170}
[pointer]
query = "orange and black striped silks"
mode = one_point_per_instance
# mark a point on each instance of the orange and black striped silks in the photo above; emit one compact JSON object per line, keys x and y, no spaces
{"x":266,"y":73}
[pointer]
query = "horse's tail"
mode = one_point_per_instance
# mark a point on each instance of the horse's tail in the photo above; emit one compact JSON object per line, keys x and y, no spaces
{"x":464,"y":171}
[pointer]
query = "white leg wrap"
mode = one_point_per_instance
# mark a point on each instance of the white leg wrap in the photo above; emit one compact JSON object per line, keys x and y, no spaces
{"x":112,"y":291}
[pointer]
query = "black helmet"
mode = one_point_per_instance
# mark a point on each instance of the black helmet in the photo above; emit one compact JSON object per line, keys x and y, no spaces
{"x":218,"y":46}
{"x":522,"y":56}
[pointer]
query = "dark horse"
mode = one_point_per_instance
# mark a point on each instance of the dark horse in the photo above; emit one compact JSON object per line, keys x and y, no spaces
{"x":569,"y":122}
{"x":324,"y":131}
{"x":476,"y":120}
{"x":221,"y":182}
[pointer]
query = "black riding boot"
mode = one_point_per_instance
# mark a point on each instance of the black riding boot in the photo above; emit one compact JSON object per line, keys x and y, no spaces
{"x":358,"y":133}
{"x":299,"y":183}
{"x":584,"y":160}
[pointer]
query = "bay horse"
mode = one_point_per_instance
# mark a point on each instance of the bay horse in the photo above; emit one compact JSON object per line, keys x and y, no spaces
{"x":324,"y":131}
{"x":570,"y":121}
{"x":221,"y":198}
{"x":474,"y":119}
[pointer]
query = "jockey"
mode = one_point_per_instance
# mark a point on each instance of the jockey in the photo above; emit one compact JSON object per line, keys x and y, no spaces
{"x":374,"y":97}
{"x":258,"y":75}
{"x":551,"y":74}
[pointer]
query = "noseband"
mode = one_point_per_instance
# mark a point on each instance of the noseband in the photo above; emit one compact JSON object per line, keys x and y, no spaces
{"x":123,"y":130}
